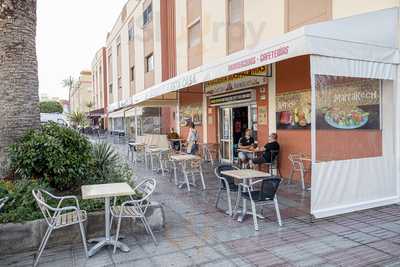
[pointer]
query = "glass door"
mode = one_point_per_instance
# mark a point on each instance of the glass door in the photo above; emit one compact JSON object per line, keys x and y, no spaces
{"x":226,"y":134}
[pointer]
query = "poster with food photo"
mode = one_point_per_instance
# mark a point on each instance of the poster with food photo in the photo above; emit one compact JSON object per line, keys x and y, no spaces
{"x":347,"y":103}
{"x":293,"y":110}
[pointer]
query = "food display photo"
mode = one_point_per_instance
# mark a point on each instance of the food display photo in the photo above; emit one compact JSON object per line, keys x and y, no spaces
{"x":347,"y":103}
{"x":294,"y":110}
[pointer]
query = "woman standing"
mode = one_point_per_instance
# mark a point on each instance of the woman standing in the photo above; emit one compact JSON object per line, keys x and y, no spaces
{"x":192,"y":140}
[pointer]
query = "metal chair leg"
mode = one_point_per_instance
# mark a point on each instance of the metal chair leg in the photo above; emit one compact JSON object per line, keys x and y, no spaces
{"x":84,"y":238}
{"x":254,"y":211}
{"x":238,"y":196}
{"x":302,"y":179}
{"x":228,"y":193}
{"x":278,"y":213}
{"x":42,"y":246}
{"x":290,"y":176}
{"x":117,"y":234}
{"x":145,"y":222}
{"x":218,"y":197}
{"x":202,"y":179}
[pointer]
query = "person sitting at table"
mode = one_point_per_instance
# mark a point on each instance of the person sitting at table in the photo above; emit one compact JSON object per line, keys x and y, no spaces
{"x":246,"y":142}
{"x":270,"y":153}
{"x":174,"y":135}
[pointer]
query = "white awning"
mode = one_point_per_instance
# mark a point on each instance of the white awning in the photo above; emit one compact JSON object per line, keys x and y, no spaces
{"x":370,"y":37}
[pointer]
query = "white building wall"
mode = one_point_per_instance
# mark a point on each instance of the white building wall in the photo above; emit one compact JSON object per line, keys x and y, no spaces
{"x":263,"y":21}
{"x":181,"y":37}
{"x":345,"y":8}
{"x":214,"y":30}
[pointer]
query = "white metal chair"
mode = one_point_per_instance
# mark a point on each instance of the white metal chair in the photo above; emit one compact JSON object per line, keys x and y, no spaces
{"x":207,"y":155}
{"x":297,"y":166}
{"x":266,"y":195}
{"x":227,"y":184}
{"x":194,"y":168}
{"x":3,"y":202}
{"x":135,"y":208}
{"x":59,"y":217}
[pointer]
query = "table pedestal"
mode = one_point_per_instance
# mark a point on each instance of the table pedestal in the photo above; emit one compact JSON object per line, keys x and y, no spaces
{"x":108,"y":240}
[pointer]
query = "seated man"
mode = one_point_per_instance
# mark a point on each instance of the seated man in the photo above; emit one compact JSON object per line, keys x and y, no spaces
{"x":174,"y":135}
{"x":271,"y":151}
{"x":246,"y":142}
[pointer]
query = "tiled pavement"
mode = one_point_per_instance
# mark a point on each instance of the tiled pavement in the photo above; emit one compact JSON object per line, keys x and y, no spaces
{"x":197,"y":234}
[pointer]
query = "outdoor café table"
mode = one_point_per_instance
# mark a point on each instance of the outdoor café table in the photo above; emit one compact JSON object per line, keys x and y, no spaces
{"x":106,"y":191}
{"x":156,"y":150}
{"x":255,"y":152}
{"x":246,"y":175}
{"x":177,"y":140}
{"x":183,"y":159}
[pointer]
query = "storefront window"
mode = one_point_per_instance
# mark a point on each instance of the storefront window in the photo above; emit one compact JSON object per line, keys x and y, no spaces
{"x":348,"y":118}
{"x":118,"y":124}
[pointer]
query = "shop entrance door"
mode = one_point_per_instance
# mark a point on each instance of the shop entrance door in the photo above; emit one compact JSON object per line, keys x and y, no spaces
{"x":226,"y":134}
{"x":233,"y":123}
{"x":240,"y":118}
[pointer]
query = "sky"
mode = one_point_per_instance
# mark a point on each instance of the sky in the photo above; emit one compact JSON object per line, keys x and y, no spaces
{"x":69,"y":33}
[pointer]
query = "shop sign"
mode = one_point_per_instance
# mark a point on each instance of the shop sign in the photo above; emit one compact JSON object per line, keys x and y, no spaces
{"x":293,"y":110}
{"x":238,"y":81}
{"x":348,"y":103}
{"x":232,"y":98}
{"x":262,"y":115}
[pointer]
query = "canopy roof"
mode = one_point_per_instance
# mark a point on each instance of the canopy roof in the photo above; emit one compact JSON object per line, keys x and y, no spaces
{"x":369,"y":37}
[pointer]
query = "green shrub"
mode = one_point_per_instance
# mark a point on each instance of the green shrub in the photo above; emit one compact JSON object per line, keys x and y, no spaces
{"x":107,"y":167}
{"x":50,"y":107}
{"x":57,"y":155}
{"x":21,"y":205}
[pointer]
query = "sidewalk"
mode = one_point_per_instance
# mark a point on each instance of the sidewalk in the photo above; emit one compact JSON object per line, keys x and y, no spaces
{"x":197,"y":234}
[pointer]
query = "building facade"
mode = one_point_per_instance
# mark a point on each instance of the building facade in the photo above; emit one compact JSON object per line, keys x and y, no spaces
{"x":98,"y":112}
{"x":230,"y":65}
{"x":154,"y":41}
{"x":81,"y":93}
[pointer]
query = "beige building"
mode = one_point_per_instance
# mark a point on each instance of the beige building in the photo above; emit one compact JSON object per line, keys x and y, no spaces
{"x":229,"y":65}
{"x":155,"y":40}
{"x":81,"y":95}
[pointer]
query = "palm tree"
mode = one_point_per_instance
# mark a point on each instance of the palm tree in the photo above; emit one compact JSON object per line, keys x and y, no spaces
{"x":19,"y":96}
{"x":68,"y":83}
{"x":78,"y":119}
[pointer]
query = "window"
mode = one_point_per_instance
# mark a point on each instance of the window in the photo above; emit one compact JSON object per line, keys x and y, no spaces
{"x":149,"y":63}
{"x":110,"y":89}
{"x":147,"y":15}
{"x":234,"y":11}
{"x":131,"y":32}
{"x":194,"y":34}
{"x":132,"y":73}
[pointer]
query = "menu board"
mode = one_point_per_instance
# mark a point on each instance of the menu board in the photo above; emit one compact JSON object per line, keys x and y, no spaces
{"x":293,"y":110}
{"x":347,"y":103}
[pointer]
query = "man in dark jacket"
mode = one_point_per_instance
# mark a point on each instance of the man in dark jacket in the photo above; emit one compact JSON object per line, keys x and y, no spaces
{"x":271,"y":151}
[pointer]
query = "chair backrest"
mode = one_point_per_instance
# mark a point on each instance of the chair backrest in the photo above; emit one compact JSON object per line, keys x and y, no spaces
{"x":146,"y":188}
{"x":43,"y":206}
{"x":222,"y":168}
{"x":295,"y":160}
{"x":269,"y":186}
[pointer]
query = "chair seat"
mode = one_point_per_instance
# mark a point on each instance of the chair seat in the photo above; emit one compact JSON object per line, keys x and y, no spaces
{"x":128,"y":211}
{"x":70,"y":218}
{"x":255,"y":195}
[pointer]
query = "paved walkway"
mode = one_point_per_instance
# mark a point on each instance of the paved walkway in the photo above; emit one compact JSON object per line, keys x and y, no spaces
{"x":197,"y":234}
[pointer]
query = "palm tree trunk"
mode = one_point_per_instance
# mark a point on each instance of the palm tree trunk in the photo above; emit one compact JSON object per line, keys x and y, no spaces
{"x":19,"y":96}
